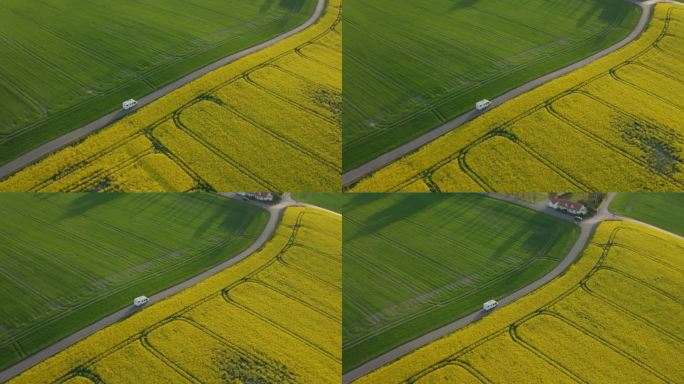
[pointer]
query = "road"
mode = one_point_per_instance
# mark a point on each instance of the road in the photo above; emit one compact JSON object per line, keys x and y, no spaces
{"x":275,"y":213}
{"x":587,"y":228}
{"x":80,"y":133}
{"x":399,"y":152}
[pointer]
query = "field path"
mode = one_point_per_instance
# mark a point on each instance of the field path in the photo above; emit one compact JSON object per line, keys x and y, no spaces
{"x":80,"y":133}
{"x":587,"y":229}
{"x":275,"y":214}
{"x":376,"y":164}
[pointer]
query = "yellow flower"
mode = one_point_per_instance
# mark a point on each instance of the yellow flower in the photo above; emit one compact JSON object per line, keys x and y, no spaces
{"x":275,"y":315}
{"x":274,"y":126}
{"x":613,"y":317}
{"x":614,"y":124}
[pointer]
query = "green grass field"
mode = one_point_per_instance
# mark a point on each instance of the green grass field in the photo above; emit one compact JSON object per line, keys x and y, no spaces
{"x":328,"y":200}
{"x":663,"y":210}
{"x":411,"y":66}
{"x":67,"y":260}
{"x":64,"y":63}
{"x":414,"y":262}
{"x":530,"y":197}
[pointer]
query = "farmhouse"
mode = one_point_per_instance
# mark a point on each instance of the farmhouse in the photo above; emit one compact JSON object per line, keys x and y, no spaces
{"x":568,"y":206}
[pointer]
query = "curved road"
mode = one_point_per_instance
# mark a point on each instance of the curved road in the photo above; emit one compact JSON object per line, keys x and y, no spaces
{"x":399,"y":152}
{"x":275,"y":213}
{"x":587,"y":229}
{"x":80,"y":133}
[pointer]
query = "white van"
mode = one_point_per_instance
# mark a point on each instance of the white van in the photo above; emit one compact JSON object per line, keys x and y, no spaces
{"x":483,"y":104}
{"x":491,"y":304}
{"x":129,"y":104}
{"x":140,"y":301}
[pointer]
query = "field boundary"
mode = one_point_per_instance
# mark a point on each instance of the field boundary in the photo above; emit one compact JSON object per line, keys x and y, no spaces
{"x":78,"y":134}
{"x":588,"y":228}
{"x":351,"y":177}
{"x":275,"y":215}
{"x":438,"y":304}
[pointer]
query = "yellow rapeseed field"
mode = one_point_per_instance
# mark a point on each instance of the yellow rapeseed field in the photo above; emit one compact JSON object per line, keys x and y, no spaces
{"x":274,"y":317}
{"x":613,"y":317}
{"x":270,"y":121}
{"x":615,"y":124}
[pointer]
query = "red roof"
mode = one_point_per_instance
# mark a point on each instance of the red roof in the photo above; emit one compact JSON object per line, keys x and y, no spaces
{"x":567,"y":204}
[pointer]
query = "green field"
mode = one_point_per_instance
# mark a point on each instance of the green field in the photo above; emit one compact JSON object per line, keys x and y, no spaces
{"x":414,"y":262}
{"x":68,"y":260}
{"x":328,"y":200}
{"x":663,"y":210}
{"x":530,"y":197}
{"x":411,"y":66}
{"x":64,"y":63}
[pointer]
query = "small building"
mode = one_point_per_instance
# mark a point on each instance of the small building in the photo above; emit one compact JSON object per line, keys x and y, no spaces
{"x":571,"y":207}
{"x":489,"y":305}
{"x":140,"y":301}
{"x":483,"y":104}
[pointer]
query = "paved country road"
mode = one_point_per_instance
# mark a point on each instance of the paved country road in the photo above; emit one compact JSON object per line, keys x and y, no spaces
{"x":275,"y":213}
{"x":413,"y":145}
{"x":80,"y":133}
{"x":587,"y":229}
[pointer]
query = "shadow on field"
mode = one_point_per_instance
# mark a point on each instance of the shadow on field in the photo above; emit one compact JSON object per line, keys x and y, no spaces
{"x":462,"y":4}
{"x":292,"y":6}
{"x":266,"y":6}
{"x":530,"y":243}
{"x":356,"y":201}
{"x":85,"y":202}
{"x":607,"y":10}
{"x":405,"y":206}
{"x":228,"y":218}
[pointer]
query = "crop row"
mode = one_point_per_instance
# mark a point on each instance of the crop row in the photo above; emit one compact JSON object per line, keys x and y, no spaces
{"x":462,"y":83}
{"x":437,"y":298}
{"x":69,"y":304}
{"x":142,"y":69}
{"x":499,"y":159}
{"x":415,"y":294}
{"x":549,"y":134}
{"x":282,"y":322}
{"x":613,"y":305}
{"x":154,"y":149}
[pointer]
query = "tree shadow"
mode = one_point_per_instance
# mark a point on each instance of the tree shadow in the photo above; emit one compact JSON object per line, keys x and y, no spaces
{"x":533,"y":236}
{"x":230,"y":217}
{"x":266,"y":6}
{"x":292,"y":6}
{"x":605,"y":10}
{"x":355,"y":201}
{"x":85,"y":202}
{"x":405,"y":205}
{"x":462,"y":4}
